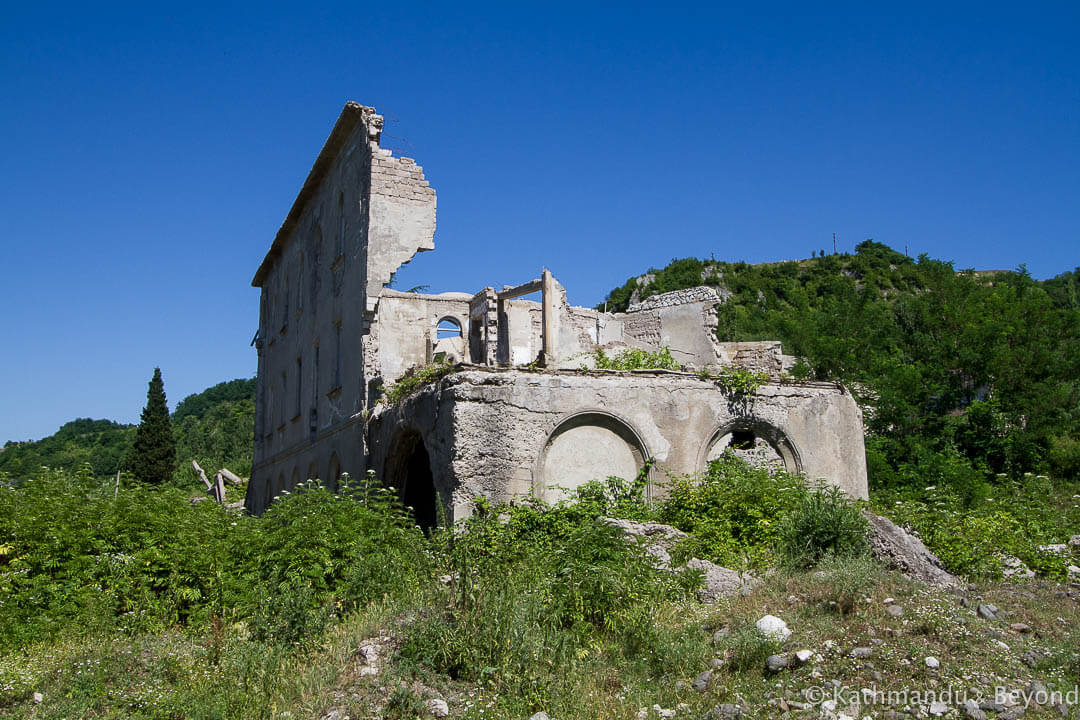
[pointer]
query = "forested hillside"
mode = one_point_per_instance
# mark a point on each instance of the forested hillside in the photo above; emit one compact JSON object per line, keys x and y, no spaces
{"x":214,"y":427}
{"x":963,"y":375}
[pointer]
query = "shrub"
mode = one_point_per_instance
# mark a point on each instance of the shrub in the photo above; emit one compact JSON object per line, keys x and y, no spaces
{"x":735,"y":379}
{"x":732,"y":512}
{"x":636,"y":359}
{"x":537,"y":589}
{"x":825,"y":522}
{"x":287,"y":613}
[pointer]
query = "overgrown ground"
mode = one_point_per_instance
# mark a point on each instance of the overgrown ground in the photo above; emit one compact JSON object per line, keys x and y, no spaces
{"x":338,"y":606}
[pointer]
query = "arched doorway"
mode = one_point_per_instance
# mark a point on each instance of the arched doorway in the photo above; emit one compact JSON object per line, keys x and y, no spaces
{"x":409,"y":470}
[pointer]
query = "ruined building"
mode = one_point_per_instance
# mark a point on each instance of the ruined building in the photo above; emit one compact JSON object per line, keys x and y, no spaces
{"x":521,"y":416}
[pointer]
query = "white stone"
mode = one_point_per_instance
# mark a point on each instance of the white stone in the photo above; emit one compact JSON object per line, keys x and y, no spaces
{"x":38,"y":698}
{"x":803,"y":656}
{"x":938,"y":708}
{"x":438,"y":707}
{"x":932,"y":662}
{"x":773,"y":628}
{"x":1055,"y":549}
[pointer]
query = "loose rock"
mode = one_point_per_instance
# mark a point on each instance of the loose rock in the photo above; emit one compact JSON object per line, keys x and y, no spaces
{"x":773,"y":627}
{"x":932,"y":662}
{"x":438,"y":707}
{"x":776,"y":663}
{"x":721,"y":582}
{"x":973,"y":711}
{"x":1014,"y":567}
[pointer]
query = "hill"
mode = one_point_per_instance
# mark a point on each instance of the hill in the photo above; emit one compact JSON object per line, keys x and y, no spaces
{"x":962,"y":375}
{"x":214,"y":426}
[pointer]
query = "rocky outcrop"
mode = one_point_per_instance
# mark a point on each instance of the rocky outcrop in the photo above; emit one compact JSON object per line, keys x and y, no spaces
{"x":897,"y":548}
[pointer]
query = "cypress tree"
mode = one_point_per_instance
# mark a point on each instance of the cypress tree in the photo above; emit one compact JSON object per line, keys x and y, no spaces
{"x":153,"y":457}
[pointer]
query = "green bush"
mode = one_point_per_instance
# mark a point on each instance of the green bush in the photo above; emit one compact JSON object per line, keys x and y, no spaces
{"x":74,"y":555}
{"x":732,"y":512}
{"x":841,"y":580}
{"x":824,"y":522}
{"x":1013,"y":517}
{"x":636,"y":359}
{"x":534,"y":587}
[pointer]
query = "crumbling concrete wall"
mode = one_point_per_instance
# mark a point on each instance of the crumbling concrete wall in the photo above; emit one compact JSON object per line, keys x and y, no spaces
{"x":683,"y":321}
{"x":503,"y":434}
{"x":360,"y":214}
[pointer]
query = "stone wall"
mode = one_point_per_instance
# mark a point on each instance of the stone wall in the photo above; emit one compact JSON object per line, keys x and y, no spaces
{"x":502,"y":434}
{"x":702,"y":293}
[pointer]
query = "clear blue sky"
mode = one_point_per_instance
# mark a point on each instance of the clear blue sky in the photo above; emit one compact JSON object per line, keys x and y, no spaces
{"x":148,"y":156}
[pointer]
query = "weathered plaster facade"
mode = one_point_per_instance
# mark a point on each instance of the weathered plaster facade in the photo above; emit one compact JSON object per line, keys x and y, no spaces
{"x":525,"y":415}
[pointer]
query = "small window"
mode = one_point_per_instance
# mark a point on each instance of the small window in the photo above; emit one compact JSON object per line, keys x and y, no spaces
{"x":448,"y":328}
{"x":742,"y":440}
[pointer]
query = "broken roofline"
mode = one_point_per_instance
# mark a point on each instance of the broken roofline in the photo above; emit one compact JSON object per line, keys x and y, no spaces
{"x":351,"y":115}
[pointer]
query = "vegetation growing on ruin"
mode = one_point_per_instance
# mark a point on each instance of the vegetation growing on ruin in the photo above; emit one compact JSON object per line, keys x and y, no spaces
{"x":415,"y":378}
{"x":635,"y":359}
{"x":735,"y":379}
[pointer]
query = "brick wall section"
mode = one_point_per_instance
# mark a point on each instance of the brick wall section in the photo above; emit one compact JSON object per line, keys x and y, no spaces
{"x":399,"y":177}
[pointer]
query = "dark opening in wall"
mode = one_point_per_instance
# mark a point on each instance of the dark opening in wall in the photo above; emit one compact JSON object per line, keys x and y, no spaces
{"x":418,"y":489}
{"x":742,"y":440}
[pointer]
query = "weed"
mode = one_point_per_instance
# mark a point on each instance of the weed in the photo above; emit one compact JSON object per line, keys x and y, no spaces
{"x":636,"y":359}
{"x":825,"y":522}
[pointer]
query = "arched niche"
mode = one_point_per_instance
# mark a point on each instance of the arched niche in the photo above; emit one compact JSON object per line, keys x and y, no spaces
{"x":586,"y":446}
{"x":756,"y":441}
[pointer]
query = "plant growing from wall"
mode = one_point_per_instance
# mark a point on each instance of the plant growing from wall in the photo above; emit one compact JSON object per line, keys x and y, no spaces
{"x":636,"y":359}
{"x":153,"y":456}
{"x":735,"y":380}
{"x":415,"y":378}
